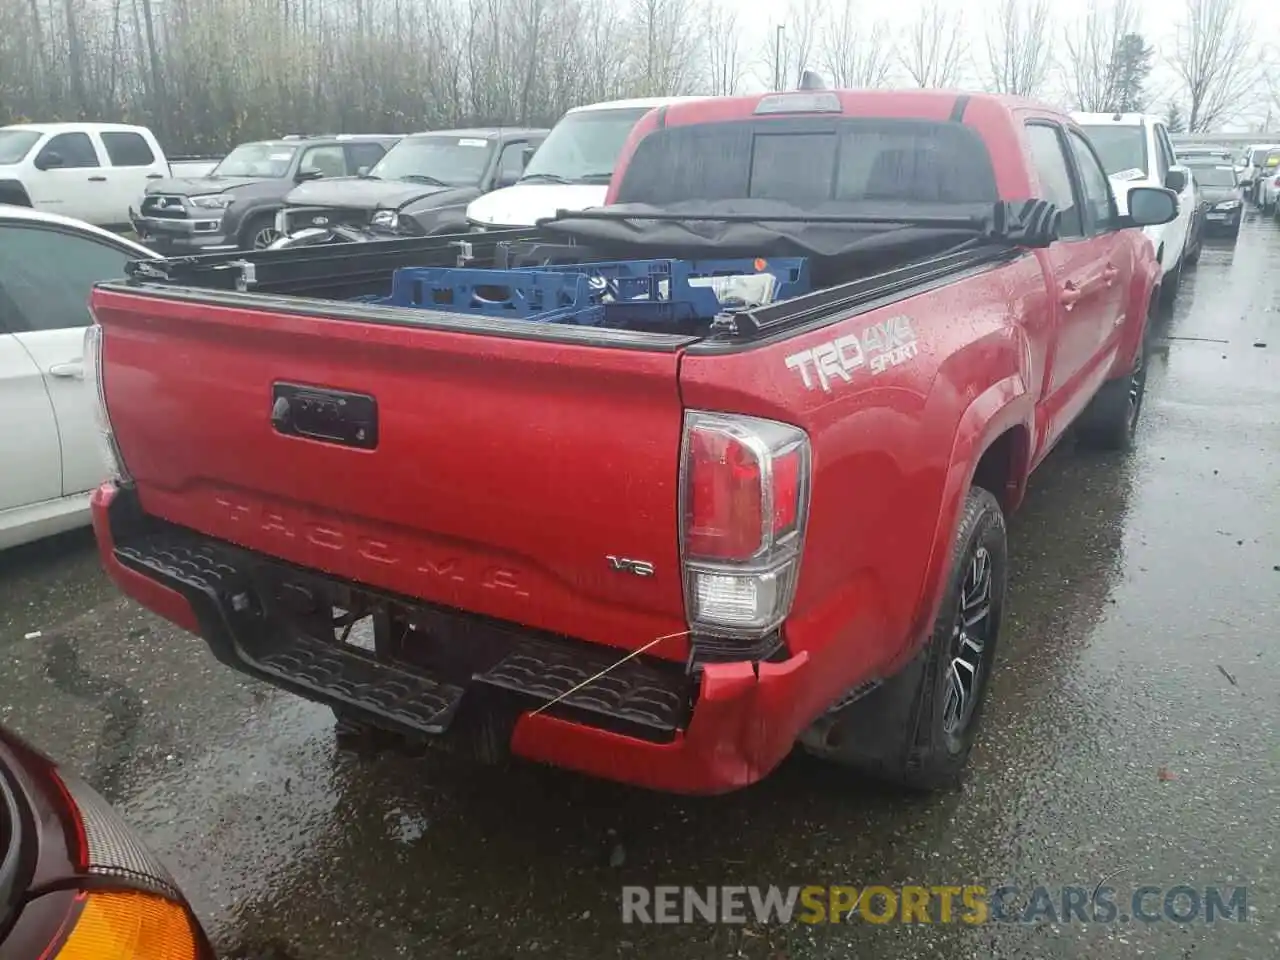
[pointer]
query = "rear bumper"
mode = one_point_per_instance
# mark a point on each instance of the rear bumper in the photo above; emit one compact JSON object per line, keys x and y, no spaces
{"x":447,"y":674}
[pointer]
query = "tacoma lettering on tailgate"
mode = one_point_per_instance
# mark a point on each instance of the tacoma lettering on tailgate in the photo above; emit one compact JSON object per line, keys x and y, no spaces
{"x":877,"y":347}
{"x":390,"y":552}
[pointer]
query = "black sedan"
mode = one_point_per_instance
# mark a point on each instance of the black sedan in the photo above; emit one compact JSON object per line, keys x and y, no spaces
{"x":1221,"y":197}
{"x":75,"y":883}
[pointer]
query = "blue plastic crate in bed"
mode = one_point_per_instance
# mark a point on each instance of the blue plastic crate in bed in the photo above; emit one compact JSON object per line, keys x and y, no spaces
{"x":523,"y":294}
{"x":672,"y":290}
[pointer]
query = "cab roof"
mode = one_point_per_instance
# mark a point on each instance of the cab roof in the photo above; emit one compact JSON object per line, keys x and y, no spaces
{"x":637,"y":103}
{"x":483,"y":133}
{"x":1116,"y":119}
{"x":77,"y":127}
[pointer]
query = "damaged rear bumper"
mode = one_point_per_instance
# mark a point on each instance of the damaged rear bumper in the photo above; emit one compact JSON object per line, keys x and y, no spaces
{"x":445,"y":674}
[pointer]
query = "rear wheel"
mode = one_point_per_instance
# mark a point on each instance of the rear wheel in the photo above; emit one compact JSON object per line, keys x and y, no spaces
{"x":1110,"y":422}
{"x":1172,"y":284}
{"x":918,"y":728}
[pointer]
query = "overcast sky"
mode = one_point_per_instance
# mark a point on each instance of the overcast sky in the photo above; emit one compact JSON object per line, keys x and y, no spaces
{"x":1158,"y":23}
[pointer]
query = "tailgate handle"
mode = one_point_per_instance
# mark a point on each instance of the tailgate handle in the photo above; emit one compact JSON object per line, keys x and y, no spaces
{"x":320,"y":413}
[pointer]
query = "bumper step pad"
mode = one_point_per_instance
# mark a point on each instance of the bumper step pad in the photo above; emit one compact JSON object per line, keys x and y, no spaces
{"x":631,"y":692}
{"x":632,"y":697}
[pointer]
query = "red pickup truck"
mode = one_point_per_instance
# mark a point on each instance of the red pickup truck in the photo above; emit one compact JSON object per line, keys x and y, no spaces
{"x":655,"y":544}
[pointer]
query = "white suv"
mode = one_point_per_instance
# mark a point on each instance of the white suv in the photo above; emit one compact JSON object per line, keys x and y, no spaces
{"x":1136,"y":152}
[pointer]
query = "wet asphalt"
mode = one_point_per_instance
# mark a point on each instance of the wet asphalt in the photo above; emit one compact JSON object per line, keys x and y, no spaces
{"x":1132,"y":734}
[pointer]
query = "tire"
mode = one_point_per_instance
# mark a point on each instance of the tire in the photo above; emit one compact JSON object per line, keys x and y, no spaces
{"x":1110,"y":422}
{"x":1192,"y":256}
{"x":1172,"y":284}
{"x":908,"y":731}
{"x":260,"y":227}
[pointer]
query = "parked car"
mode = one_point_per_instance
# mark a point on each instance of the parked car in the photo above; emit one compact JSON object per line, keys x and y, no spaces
{"x":75,"y":882}
{"x":235,"y":206}
{"x":737,"y":480}
{"x":1255,"y":159}
{"x":1267,"y":184}
{"x":87,"y":171}
{"x":49,"y":440}
{"x":1221,"y":199}
{"x":571,"y":170}
{"x":1187,"y":154}
{"x":1136,"y":151}
{"x":421,"y":187}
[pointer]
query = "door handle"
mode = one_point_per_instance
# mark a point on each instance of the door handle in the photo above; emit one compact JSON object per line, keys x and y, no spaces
{"x":97,"y":179}
{"x":1109,"y":274}
{"x":69,"y":370}
{"x":1069,"y":294}
{"x":155,"y":176}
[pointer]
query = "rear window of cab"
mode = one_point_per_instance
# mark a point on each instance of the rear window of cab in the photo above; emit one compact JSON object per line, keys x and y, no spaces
{"x":800,"y":160}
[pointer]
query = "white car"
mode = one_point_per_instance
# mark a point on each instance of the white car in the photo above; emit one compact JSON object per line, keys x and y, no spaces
{"x":572,"y":168}
{"x":91,"y":171}
{"x":50,"y":459}
{"x":1267,"y":182}
{"x":1136,"y":152}
{"x":1255,"y":156}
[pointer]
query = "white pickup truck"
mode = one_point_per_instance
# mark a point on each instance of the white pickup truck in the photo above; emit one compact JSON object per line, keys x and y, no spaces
{"x":89,"y":171}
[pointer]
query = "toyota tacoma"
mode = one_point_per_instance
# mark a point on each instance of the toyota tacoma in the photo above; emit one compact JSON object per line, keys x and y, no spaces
{"x":656,"y":491}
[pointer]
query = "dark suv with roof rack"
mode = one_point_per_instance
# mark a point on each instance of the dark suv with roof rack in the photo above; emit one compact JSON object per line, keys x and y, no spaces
{"x":234,"y":207}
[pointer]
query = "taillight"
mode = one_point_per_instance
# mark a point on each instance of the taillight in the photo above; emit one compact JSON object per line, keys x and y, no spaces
{"x":108,"y":449}
{"x":108,"y":848}
{"x":114,"y":925}
{"x":131,"y":909}
{"x":744,"y":500}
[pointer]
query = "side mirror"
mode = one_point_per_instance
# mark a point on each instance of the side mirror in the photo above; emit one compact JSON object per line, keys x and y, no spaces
{"x":1152,"y":206}
{"x":47,"y":160}
{"x":527,"y":154}
{"x":363,"y":171}
{"x":305,"y":175}
{"x":1176,"y":180}
{"x":506,"y":179}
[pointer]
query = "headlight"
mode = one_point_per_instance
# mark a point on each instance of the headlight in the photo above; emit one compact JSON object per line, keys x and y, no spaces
{"x":388,"y":219}
{"x":1226,"y":205}
{"x":211,"y":201}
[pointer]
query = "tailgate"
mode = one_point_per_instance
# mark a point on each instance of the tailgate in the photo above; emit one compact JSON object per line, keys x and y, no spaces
{"x":505,"y":473}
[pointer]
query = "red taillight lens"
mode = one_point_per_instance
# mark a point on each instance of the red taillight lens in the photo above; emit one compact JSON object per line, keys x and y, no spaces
{"x":725,"y":498}
{"x":787,"y":470}
{"x":745,"y":497}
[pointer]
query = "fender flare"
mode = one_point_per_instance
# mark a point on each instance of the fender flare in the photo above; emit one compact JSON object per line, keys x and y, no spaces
{"x":1006,"y":404}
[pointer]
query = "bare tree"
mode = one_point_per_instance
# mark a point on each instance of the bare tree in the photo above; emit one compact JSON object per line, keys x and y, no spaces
{"x":722,"y":37}
{"x":933,"y":49}
{"x":788,"y":51}
{"x":1018,"y":57}
{"x":669,"y":44}
{"x":855,"y":49}
{"x":1091,"y":45}
{"x":1216,"y":60}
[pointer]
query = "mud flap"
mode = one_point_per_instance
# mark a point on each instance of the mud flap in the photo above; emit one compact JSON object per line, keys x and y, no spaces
{"x":877,"y":727}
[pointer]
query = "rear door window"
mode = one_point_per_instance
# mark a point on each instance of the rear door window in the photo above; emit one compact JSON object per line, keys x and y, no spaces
{"x":126,"y":149}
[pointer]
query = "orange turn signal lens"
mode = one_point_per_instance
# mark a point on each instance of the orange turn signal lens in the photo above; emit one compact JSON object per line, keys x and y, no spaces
{"x":129,"y":926}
